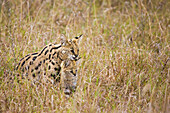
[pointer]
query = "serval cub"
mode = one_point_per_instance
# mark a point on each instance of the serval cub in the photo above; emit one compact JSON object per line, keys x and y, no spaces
{"x":68,"y":76}
{"x":47,"y":62}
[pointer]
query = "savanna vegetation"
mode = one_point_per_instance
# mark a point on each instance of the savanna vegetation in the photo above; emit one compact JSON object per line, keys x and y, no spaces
{"x":124,"y":51}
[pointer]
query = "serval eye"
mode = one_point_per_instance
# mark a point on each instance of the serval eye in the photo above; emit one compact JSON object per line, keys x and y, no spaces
{"x":72,"y":50}
{"x":71,"y":71}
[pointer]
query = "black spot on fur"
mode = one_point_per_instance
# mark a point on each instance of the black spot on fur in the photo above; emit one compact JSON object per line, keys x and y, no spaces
{"x":57,"y":63}
{"x":21,"y":59}
{"x":54,"y":53}
{"x":31,"y":62}
{"x":34,"y":53}
{"x":33,"y":74}
{"x":40,"y":63}
{"x":28,"y":58}
{"x":55,"y":48}
{"x":44,"y":61}
{"x":46,"y":52}
{"x":49,"y":67}
{"x":17,"y":66}
{"x":34,"y":58}
{"x":38,"y":72}
{"x":23,"y":63}
{"x":50,"y":45}
{"x":55,"y":69}
{"x":27,"y":55}
{"x":36,"y":67}
{"x":42,"y":51}
{"x":32,"y":70}
{"x":53,"y":75}
{"x":53,"y":63}
{"x":49,"y":56}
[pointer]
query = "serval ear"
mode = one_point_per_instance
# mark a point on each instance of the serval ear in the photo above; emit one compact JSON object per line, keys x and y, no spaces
{"x":63,"y":40}
{"x":76,"y":39}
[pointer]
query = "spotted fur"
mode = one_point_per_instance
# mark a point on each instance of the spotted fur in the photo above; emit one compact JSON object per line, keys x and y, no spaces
{"x":47,"y":62}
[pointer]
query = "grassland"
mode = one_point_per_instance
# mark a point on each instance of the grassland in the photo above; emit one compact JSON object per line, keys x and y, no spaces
{"x":125,"y":54}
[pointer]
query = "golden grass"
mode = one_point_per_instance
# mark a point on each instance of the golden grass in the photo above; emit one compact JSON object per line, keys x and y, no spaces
{"x":125,"y":54}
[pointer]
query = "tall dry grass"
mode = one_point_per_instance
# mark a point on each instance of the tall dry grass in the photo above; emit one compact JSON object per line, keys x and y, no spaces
{"x":125,"y":54}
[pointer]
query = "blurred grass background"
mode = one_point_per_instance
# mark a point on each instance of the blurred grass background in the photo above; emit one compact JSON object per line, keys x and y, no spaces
{"x":125,"y":54}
